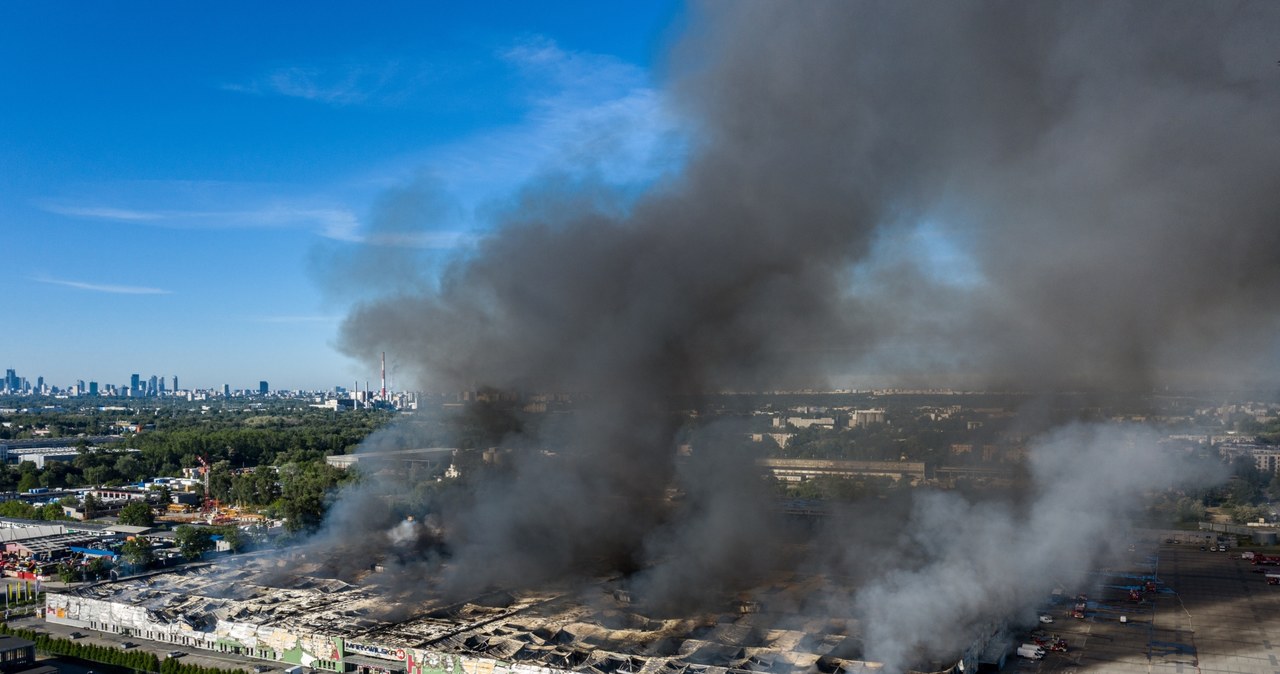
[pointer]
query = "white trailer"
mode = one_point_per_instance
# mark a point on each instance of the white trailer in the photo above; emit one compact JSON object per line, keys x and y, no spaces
{"x":1032,"y":652}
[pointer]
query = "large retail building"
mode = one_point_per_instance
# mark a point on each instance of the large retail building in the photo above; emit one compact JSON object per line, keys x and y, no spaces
{"x":271,"y":608}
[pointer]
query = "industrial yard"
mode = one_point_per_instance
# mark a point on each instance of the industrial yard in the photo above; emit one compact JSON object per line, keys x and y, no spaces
{"x":1211,"y":611}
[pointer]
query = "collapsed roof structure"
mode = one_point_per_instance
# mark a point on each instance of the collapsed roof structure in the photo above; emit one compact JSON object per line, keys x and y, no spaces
{"x":271,"y":608}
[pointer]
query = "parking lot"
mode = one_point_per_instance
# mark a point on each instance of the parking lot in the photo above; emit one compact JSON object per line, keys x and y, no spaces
{"x":162,"y":650}
{"x":1210,"y":612}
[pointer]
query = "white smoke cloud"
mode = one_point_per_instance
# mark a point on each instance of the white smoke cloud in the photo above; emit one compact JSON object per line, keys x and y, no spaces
{"x":968,"y":564}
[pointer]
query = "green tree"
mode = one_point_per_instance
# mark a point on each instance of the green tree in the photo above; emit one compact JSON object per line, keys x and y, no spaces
{"x":68,"y":572}
{"x":232,"y":537}
{"x":220,"y":480}
{"x":130,"y":467}
{"x":162,"y":495}
{"x":136,"y":552}
{"x":57,"y":475}
{"x":18,"y":509}
{"x":137,"y":514}
{"x":305,"y":490}
{"x":28,"y":481}
{"x":91,"y":506}
{"x":52,"y":511}
{"x":99,"y":567}
{"x":99,"y":475}
{"x":193,"y":541}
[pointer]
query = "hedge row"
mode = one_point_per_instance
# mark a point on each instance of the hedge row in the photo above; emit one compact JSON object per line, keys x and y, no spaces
{"x":171,"y":666}
{"x":137,"y":660}
{"x":16,"y":601}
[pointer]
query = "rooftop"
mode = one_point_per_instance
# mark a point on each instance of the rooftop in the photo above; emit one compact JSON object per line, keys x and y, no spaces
{"x":595,"y":628}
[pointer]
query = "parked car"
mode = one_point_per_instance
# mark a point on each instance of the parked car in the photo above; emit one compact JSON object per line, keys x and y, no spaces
{"x":1046,"y":619}
{"x":176,"y":654}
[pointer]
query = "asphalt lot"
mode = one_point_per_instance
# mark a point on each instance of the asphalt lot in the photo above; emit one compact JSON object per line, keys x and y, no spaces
{"x":1211,"y":612}
{"x":193,"y":656}
{"x":66,"y":665}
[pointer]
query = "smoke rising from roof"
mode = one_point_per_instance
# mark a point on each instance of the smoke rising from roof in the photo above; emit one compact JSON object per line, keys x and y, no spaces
{"x":957,"y":563}
{"x":1027,"y":194}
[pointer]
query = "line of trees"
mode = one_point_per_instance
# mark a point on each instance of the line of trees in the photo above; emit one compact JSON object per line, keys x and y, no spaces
{"x":171,"y":666}
{"x":181,"y":437}
{"x":19,"y":600}
{"x":26,"y":511}
{"x":136,"y":660}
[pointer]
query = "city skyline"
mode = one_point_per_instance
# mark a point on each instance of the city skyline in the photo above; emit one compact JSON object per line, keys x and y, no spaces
{"x":199,"y":212}
{"x":17,"y":381}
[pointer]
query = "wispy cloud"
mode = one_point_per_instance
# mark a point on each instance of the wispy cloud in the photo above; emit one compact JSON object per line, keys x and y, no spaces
{"x":338,"y":84}
{"x":327,"y":220}
{"x":295,"y":319}
{"x":335,"y":223}
{"x":102,"y":288}
{"x":542,"y":58}
{"x":102,"y":212}
{"x":586,"y":113}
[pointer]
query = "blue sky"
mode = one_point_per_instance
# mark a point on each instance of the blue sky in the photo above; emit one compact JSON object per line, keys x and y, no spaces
{"x":181,"y":183}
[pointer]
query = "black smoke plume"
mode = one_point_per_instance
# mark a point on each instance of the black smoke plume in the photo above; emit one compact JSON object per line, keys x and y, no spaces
{"x":1034,"y":195}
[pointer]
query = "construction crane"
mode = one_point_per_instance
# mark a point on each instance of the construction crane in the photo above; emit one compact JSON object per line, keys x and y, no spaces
{"x":207,"y":504}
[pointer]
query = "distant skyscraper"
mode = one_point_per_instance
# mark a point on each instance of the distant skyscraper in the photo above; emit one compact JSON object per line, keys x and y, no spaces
{"x":226,"y":390}
{"x":135,"y":385}
{"x":40,"y":384}
{"x":175,"y":383}
{"x":262,"y":387}
{"x":93,"y":388}
{"x":152,"y":386}
{"x":11,"y":381}
{"x":162,"y":386}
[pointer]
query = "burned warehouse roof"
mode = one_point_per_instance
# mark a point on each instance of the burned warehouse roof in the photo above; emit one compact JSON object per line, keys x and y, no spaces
{"x":271,"y":608}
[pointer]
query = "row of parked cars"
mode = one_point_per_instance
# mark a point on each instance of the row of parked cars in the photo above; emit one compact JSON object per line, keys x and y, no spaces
{"x":128,"y":644}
